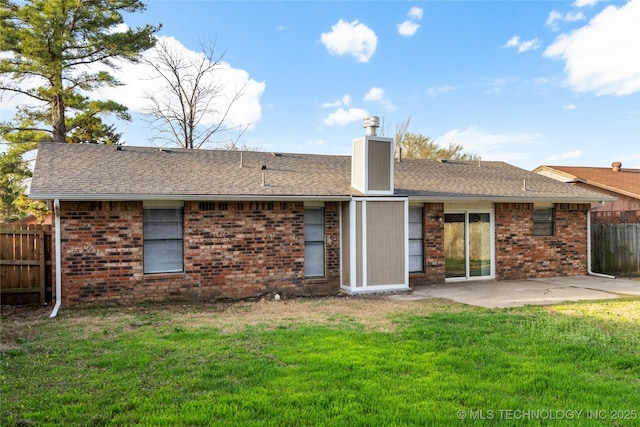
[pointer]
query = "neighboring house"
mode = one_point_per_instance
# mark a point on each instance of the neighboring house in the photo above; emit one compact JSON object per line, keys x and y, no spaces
{"x":623,"y":184}
{"x":32,"y":220}
{"x":147,"y":223}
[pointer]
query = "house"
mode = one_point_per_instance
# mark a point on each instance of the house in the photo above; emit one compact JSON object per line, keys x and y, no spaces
{"x":623,"y":184}
{"x":137,"y":223}
{"x":33,"y":220}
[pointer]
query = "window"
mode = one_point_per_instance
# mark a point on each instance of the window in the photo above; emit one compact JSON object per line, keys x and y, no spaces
{"x":543,"y":222}
{"x":163,"y":240}
{"x":314,"y":242}
{"x":416,"y":258}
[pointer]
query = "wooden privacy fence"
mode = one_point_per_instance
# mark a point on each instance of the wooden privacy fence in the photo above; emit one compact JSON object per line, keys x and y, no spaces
{"x":615,"y":248}
{"x":25,"y":262}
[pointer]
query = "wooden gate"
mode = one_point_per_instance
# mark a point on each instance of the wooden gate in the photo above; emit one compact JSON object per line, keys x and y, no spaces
{"x":616,"y":248}
{"x":615,"y":240}
{"x":25,"y":263}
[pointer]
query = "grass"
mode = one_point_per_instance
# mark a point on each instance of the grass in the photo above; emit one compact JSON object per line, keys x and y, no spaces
{"x":307,"y":362}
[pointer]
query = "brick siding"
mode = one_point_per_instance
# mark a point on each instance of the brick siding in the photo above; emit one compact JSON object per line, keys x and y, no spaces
{"x":249,"y":249}
{"x":231,"y":250}
{"x":521,"y":255}
{"x":433,"y":251}
{"x":615,"y":217}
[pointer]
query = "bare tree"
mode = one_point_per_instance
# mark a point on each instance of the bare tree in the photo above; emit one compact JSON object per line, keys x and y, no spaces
{"x":193,"y":109}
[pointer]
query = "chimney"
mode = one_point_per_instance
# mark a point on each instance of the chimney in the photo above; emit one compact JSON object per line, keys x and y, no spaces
{"x":371,"y":125}
{"x":615,"y":166}
{"x":372,"y":161}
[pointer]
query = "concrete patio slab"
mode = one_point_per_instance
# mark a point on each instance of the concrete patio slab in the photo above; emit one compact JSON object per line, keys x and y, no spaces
{"x":516,"y":293}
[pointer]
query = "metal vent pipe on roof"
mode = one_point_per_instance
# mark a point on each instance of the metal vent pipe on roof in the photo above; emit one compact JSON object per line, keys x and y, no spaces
{"x":371,"y":125}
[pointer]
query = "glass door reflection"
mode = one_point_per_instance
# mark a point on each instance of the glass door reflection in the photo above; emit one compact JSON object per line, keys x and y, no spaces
{"x":455,"y":253}
{"x":468,"y":245}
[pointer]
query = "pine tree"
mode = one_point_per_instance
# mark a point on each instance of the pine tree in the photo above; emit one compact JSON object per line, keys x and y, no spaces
{"x":49,"y":56}
{"x":48,"y":49}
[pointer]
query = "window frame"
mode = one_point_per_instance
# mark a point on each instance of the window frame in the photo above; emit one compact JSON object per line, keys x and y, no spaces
{"x":414,"y":239}
{"x":544,"y":227}
{"x":150,"y":240}
{"x":308,"y":242}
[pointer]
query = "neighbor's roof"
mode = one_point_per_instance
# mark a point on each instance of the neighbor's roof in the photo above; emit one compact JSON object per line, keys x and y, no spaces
{"x":626,"y":181}
{"x":106,"y":172}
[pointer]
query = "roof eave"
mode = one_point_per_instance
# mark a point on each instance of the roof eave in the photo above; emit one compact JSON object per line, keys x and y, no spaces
{"x":551,"y":169}
{"x":510,"y":199}
{"x":182,"y":197}
{"x":298,"y":197}
{"x":610,"y":188}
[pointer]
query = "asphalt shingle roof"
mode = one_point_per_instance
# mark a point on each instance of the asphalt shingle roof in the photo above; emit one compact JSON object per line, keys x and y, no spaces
{"x":105,"y":172}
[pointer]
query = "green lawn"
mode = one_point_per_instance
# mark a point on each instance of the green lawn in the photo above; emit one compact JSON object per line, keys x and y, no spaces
{"x":335,"y":362}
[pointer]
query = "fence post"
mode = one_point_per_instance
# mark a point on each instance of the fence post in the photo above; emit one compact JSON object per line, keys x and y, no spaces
{"x":43,"y":264}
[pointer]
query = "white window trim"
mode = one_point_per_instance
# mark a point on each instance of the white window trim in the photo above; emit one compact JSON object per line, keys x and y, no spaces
{"x":163,"y":204}
{"x":421,"y":206}
{"x":492,"y":274}
{"x":324,"y":245}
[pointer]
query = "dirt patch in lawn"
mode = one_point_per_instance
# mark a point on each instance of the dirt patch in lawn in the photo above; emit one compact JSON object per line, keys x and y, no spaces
{"x":372,"y":313}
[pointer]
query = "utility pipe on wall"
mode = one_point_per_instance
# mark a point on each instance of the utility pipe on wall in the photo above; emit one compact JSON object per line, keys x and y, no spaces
{"x":591,"y":273}
{"x":58,"y":230}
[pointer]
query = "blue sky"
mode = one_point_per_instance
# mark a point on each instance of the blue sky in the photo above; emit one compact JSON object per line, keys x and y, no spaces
{"x":526,"y":82}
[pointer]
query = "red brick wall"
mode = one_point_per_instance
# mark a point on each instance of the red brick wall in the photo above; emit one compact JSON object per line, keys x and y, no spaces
{"x":231,"y":250}
{"x":102,"y":252}
{"x":433,"y":251}
{"x":615,"y":217}
{"x":249,"y":249}
{"x":520,"y":254}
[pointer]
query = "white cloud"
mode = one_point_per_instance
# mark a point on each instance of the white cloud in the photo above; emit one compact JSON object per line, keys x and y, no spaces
{"x":512,"y":42}
{"x":490,"y":145}
{"x":554,"y":16}
{"x":416,"y":13}
{"x":569,"y":107}
{"x":529,"y":45}
{"x":345,"y":100}
{"x":376,"y":94}
{"x":118,"y":28}
{"x":574,"y":16}
{"x":602,"y":56}
{"x":581,"y":3}
{"x":344,"y":114}
{"x":408,"y":28}
{"x":350,"y":38}
{"x":564,"y":156}
{"x":138,"y":81}
{"x":522,"y":45}
{"x":9,"y":100}
{"x":344,"y":117}
{"x":434,"y":92}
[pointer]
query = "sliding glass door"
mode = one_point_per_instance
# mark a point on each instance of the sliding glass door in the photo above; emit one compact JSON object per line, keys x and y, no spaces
{"x":455,"y":248}
{"x":468,"y":245}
